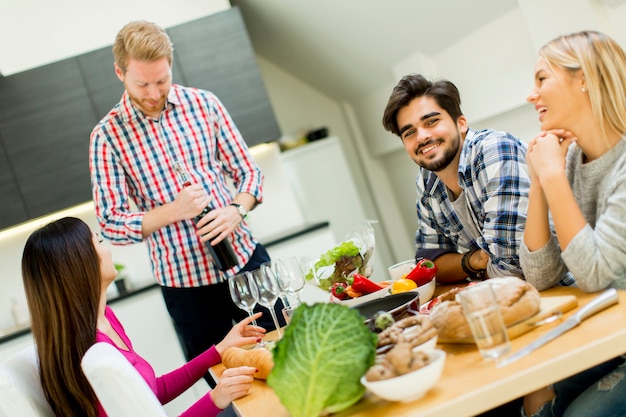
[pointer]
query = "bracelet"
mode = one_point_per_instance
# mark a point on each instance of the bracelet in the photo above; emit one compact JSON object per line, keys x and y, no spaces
{"x":465,"y":264}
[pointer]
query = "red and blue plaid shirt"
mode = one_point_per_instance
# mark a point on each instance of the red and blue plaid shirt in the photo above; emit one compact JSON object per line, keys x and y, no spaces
{"x":494,"y":177}
{"x":132,"y":158}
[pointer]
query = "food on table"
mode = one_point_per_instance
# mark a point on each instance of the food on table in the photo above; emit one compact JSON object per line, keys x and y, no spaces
{"x":319,"y":361}
{"x":400,"y":360}
{"x":424,"y":271}
{"x":413,"y":330}
{"x":259,"y":358}
{"x":403,"y":285}
{"x":381,"y":320}
{"x":338,"y":290}
{"x":446,"y":296}
{"x":351,"y":293}
{"x":364,"y":285}
{"x":341,"y":291}
{"x":518,"y":300}
{"x":339,"y":263}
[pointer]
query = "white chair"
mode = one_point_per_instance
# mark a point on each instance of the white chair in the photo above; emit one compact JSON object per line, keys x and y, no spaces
{"x":21,"y":394}
{"x":122,"y":391}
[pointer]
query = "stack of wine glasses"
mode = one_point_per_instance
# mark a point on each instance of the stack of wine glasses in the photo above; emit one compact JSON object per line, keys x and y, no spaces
{"x":290,"y":276}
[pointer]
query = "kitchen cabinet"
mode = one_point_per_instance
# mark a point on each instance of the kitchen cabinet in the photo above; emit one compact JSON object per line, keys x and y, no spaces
{"x":325,"y":189}
{"x":310,"y":244}
{"x":12,"y":209}
{"x":103,"y":87}
{"x":226,"y":66}
{"x":11,"y":347}
{"x":45,"y":123}
{"x":47,"y":113}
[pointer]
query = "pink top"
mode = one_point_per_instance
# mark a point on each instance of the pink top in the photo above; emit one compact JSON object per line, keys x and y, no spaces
{"x":171,"y":385}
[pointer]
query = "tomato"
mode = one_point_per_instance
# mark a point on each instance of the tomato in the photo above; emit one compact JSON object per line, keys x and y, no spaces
{"x":403,"y":285}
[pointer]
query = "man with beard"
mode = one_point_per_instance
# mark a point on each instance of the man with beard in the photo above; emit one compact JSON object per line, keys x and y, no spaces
{"x":168,"y":149}
{"x":472,"y":187}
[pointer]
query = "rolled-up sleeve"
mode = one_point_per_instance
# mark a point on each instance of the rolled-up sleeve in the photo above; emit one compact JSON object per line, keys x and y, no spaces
{"x":235,"y":155}
{"x":110,"y":194}
{"x":500,"y":198}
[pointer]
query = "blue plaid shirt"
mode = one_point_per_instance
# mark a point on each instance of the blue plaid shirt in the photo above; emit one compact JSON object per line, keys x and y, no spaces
{"x":132,"y":159}
{"x":495,"y":181}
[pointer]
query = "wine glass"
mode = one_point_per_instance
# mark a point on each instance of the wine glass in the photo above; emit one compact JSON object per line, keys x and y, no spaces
{"x":281,"y":276}
{"x":244,"y":292}
{"x":293,"y":273}
{"x":268,"y":291}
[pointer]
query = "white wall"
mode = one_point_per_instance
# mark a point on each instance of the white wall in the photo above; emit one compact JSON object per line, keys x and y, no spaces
{"x":300,"y":107}
{"x":53,"y":30}
{"x":493,"y":68}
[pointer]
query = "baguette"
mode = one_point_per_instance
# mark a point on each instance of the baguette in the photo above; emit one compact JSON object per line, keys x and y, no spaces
{"x":259,"y":358}
{"x":518,"y":300}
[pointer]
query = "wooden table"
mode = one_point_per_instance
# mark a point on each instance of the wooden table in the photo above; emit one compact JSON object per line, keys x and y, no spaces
{"x":469,"y":385}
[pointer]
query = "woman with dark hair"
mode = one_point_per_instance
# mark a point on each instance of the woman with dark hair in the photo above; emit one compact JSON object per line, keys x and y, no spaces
{"x":66,"y":271}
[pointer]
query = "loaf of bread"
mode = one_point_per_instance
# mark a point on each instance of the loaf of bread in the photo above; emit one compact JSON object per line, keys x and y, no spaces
{"x":259,"y":358}
{"x":518,"y":301}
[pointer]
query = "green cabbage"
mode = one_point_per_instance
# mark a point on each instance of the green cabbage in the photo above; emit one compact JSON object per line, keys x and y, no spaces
{"x":318,"y":363}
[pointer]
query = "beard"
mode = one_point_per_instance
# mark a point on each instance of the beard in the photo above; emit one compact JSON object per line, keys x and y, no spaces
{"x":146,"y":107}
{"x":442,"y":162}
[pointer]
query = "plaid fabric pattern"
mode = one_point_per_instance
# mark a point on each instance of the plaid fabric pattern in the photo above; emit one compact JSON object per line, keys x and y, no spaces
{"x":494,"y":177}
{"x":132,"y":160}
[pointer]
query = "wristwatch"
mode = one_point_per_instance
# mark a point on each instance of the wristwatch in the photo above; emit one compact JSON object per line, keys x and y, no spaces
{"x":242,"y":211}
{"x":467,"y":268}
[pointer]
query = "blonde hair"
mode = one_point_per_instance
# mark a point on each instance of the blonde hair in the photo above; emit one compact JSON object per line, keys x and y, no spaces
{"x":603,"y":64}
{"x":141,"y":40}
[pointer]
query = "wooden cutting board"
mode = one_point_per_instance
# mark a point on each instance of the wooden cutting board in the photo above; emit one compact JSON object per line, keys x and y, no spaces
{"x":549,"y":305}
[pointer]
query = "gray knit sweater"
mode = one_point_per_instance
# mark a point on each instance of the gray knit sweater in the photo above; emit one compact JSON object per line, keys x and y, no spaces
{"x":596,"y":256}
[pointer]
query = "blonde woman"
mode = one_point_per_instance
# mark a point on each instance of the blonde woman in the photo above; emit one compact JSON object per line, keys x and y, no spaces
{"x":578,"y":181}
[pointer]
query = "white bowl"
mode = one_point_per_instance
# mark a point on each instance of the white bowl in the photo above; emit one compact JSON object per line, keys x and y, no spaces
{"x":427,"y":291}
{"x":400,"y":269}
{"x":412,"y":386}
{"x":428,"y":346}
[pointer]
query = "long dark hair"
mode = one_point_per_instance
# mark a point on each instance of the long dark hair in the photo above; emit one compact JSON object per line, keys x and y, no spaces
{"x":61,"y":273}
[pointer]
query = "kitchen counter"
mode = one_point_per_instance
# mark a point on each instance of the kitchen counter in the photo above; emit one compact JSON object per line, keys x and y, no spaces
{"x":17,"y":331}
{"x":293,"y":233}
{"x":270,"y":241}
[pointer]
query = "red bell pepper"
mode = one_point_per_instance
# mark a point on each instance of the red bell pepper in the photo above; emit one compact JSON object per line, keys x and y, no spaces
{"x":424,"y":271}
{"x":338,"y":290}
{"x":363,"y":285}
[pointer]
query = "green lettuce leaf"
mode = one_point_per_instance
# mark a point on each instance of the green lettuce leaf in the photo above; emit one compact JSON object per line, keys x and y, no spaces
{"x":336,"y":264}
{"x":319,"y":361}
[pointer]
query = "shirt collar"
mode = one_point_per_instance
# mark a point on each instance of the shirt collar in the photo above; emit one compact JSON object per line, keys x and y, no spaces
{"x":129,"y":112}
{"x":469,"y":136}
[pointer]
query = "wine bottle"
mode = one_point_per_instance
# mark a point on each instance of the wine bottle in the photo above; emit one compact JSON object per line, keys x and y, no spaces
{"x":222,"y":253}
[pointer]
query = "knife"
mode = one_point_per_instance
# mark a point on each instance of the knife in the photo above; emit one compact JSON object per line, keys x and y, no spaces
{"x":604,"y":300}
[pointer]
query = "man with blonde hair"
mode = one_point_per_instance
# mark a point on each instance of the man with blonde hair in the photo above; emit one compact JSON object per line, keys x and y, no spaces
{"x":168,"y":149}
